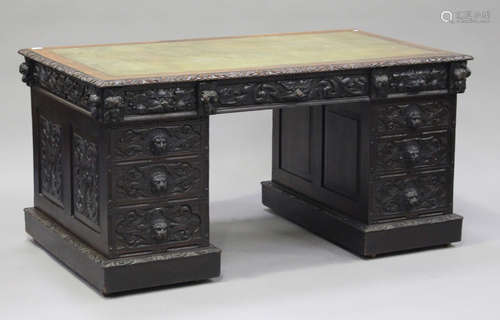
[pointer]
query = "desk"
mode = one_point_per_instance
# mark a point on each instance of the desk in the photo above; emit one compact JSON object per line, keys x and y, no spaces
{"x":363,"y":146}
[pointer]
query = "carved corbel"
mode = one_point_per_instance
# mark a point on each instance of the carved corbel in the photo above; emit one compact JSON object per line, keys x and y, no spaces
{"x":113,"y":111}
{"x":380,"y":84}
{"x":26,"y":69}
{"x":209,"y":99}
{"x":459,"y":73}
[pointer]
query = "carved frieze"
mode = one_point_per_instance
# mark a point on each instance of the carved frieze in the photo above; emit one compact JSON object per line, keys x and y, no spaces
{"x":414,"y":79}
{"x":62,"y":85}
{"x":136,"y":143}
{"x":85,"y":180}
{"x":215,"y":95}
{"x":406,"y":195}
{"x":418,"y":152}
{"x":392,"y":117}
{"x":51,"y":166}
{"x":156,"y":227}
{"x":144,"y":181}
{"x":115,"y":103}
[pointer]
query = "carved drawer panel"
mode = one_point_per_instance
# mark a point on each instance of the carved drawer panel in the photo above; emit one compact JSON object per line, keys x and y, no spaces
{"x":413,"y":115}
{"x":174,"y":178}
{"x":406,"y":152}
{"x":409,"y":80}
{"x":407,"y":195}
{"x":160,"y":226}
{"x":157,"y":141}
{"x":221,"y":95}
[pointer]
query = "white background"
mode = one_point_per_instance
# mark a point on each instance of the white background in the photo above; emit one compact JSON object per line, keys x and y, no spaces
{"x":271,"y":268}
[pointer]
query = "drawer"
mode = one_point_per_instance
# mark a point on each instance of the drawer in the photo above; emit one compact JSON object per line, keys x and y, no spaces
{"x":408,"y":195}
{"x":167,"y":179}
{"x":158,"y":227}
{"x":408,"y":152}
{"x":157,"y":141}
{"x":410,"y":115}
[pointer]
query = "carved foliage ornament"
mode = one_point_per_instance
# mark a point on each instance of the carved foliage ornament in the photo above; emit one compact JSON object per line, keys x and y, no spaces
{"x":138,"y":143}
{"x":139,"y":228}
{"x":85,"y":179}
{"x":282,"y":91}
{"x":51,"y":168}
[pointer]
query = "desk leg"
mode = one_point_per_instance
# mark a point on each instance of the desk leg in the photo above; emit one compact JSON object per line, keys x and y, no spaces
{"x":328,"y":177}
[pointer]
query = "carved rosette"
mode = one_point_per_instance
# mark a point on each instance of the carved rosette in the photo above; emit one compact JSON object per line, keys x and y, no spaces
{"x":409,"y":195}
{"x":215,"y":95}
{"x":85,"y":180}
{"x":174,"y":179}
{"x":51,"y":167}
{"x":459,"y":74}
{"x":140,"y":143}
{"x":415,"y":79}
{"x":156,"y":227}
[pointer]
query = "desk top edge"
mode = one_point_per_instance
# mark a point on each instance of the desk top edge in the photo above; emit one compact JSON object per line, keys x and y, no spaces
{"x":437,"y":56}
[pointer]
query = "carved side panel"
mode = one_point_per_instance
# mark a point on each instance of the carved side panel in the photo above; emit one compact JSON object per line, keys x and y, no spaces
{"x":132,"y":143}
{"x":393,"y":117}
{"x":219,"y":95}
{"x":156,"y":181}
{"x":417,"y":152}
{"x":407,"y":195}
{"x":414,"y":79}
{"x":158,"y":227}
{"x":51,"y":166}
{"x":85,"y":180}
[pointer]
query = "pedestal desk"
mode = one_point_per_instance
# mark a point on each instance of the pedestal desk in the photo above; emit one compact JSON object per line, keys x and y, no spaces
{"x":363,"y":146}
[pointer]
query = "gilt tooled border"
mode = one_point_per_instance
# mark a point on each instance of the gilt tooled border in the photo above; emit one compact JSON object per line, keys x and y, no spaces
{"x":221,"y":75}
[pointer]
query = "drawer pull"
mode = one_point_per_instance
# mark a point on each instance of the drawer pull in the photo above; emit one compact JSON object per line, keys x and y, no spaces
{"x":159,"y":182}
{"x":411,"y":152}
{"x":414,"y":116}
{"x":159,"y":229}
{"x":158,"y":143}
{"x":411,"y":195}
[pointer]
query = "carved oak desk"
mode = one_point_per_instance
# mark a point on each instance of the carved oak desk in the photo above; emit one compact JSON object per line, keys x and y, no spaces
{"x":363,"y":146}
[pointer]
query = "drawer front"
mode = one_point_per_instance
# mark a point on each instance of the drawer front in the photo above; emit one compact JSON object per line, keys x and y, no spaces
{"x":409,"y":195}
{"x":409,"y":152}
{"x":159,"y":227}
{"x":168,"y":179}
{"x":157,"y":141}
{"x":411,"y":115}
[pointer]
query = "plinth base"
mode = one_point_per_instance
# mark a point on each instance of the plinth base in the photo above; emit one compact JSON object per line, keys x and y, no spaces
{"x":362,"y":239}
{"x":121,"y":274}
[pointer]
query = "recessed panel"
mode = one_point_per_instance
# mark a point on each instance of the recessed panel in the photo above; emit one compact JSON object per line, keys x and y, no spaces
{"x":340,"y":154}
{"x":295,"y":142}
